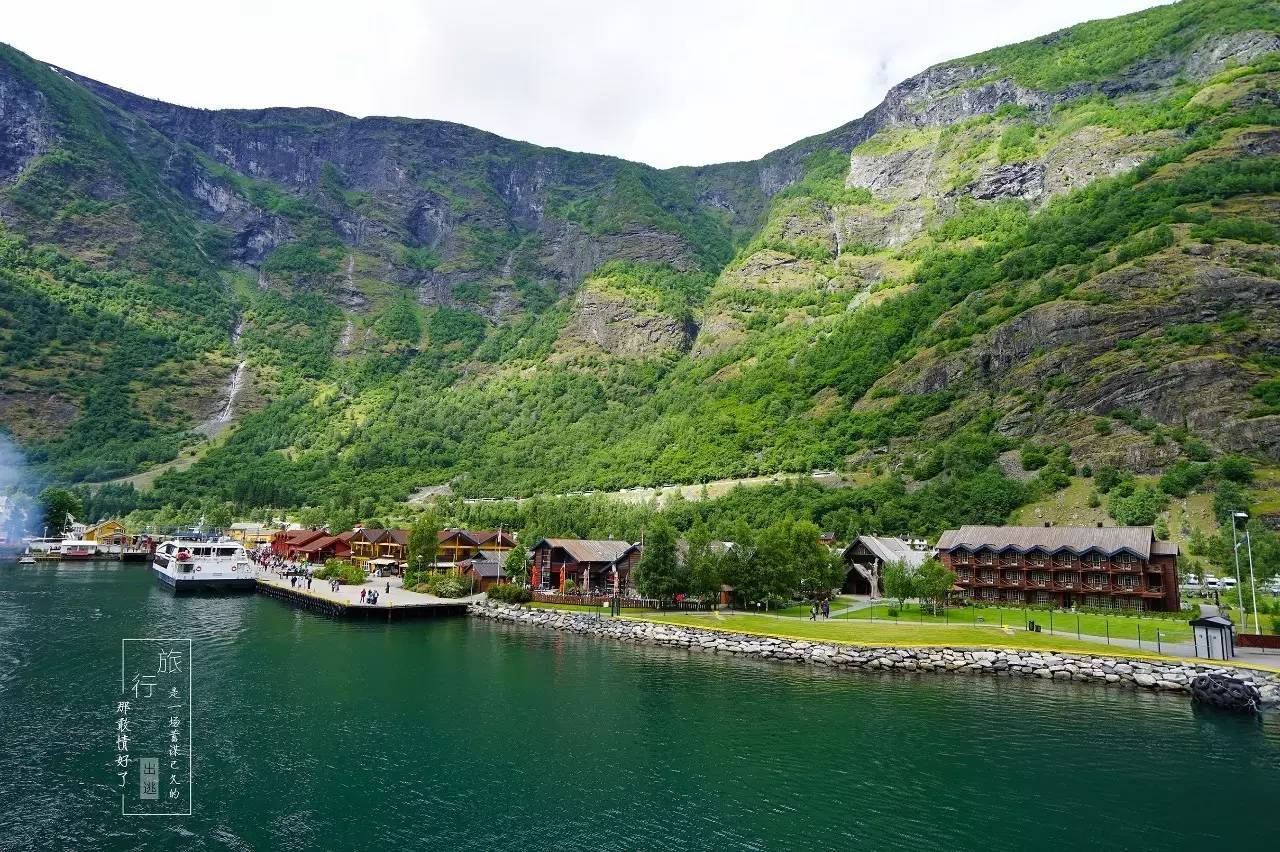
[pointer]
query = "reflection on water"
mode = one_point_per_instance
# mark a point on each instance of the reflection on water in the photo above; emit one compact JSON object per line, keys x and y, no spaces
{"x":313,"y":733}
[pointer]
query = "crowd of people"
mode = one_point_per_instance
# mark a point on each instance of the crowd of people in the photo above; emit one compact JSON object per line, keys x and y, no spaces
{"x":300,"y":574}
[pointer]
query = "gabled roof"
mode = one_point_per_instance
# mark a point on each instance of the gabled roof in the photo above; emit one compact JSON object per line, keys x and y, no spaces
{"x":590,"y":550}
{"x":400,"y":537}
{"x":486,"y":563}
{"x":890,"y":549}
{"x":467,"y":535}
{"x":490,"y":537}
{"x":319,"y":544}
{"x":373,"y":535}
{"x":346,"y":536}
{"x":1078,"y":540}
{"x":300,"y":537}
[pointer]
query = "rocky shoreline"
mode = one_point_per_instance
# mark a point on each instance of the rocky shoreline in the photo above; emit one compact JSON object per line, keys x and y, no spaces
{"x":1108,"y":670}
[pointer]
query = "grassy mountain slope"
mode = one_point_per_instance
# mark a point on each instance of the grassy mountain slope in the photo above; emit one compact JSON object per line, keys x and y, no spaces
{"x":1010,"y":249}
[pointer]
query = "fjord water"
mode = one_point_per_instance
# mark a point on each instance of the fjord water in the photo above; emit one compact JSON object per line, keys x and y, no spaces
{"x":317,"y":734}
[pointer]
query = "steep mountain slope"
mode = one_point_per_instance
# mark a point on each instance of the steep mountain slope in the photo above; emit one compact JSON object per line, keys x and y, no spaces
{"x":1006,"y":249}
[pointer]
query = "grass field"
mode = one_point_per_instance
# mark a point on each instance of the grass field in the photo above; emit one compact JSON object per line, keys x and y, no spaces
{"x":866,"y":632}
{"x":1065,"y":623}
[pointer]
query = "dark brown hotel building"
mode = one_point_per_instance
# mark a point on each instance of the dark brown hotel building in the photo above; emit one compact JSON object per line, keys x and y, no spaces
{"x":1114,"y":567}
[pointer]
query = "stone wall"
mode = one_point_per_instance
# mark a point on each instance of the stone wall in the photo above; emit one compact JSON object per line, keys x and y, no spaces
{"x":1112,"y":670}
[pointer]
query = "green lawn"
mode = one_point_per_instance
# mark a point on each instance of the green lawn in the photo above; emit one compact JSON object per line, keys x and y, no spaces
{"x":582,"y":608}
{"x":866,"y":632}
{"x":1120,"y":626}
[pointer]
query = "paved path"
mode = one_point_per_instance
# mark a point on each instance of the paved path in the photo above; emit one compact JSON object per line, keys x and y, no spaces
{"x":350,"y":594}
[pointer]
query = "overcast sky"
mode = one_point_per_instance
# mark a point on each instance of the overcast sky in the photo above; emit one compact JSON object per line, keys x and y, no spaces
{"x":668,"y":82}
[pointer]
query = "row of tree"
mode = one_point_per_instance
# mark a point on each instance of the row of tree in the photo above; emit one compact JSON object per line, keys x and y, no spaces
{"x":784,"y":560}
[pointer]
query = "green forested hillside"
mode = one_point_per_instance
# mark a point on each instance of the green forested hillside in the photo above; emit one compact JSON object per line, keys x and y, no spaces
{"x":1011,"y":250}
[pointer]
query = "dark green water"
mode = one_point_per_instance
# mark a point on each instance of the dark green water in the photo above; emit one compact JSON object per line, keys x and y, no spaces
{"x":315,"y":734}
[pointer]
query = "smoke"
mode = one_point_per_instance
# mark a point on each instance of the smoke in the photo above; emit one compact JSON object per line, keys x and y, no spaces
{"x":18,"y":509}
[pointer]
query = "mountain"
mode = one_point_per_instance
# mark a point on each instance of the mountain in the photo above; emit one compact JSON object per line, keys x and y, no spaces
{"x":1065,"y":248}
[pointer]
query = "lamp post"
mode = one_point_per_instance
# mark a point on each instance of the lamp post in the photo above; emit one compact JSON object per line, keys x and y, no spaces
{"x":1235,"y":551}
{"x":1253,"y":589}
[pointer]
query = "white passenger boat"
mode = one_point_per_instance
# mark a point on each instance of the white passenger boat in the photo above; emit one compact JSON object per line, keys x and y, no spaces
{"x":191,"y":565}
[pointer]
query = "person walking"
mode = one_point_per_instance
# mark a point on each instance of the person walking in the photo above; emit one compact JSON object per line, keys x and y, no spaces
{"x":362,"y":593}
{"x":813,"y":611}
{"x":388,"y":587}
{"x":826,"y":609}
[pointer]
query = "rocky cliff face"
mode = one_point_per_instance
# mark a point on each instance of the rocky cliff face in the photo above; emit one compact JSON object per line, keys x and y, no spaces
{"x":428,"y":252}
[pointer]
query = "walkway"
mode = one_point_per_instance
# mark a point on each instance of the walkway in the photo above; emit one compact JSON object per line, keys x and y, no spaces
{"x":350,"y":594}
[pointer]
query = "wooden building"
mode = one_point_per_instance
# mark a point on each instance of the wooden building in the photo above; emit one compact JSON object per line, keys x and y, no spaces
{"x":364,"y":545}
{"x":320,"y":550}
{"x":486,"y":567}
{"x":600,"y":566}
{"x":866,"y":557}
{"x":251,"y":535}
{"x":286,"y":543}
{"x":457,"y":546}
{"x":1106,"y":567}
{"x":110,"y":532}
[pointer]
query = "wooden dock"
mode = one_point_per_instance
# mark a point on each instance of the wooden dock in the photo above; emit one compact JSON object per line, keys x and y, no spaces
{"x":396,"y":605}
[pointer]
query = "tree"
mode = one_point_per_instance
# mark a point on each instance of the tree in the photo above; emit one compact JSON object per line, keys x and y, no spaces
{"x":702,"y":564}
{"x":517,"y":565}
{"x":424,"y":542}
{"x":658,"y":572}
{"x":819,"y":571}
{"x":311,"y":517}
{"x":1228,"y":498}
{"x":933,"y":581}
{"x":899,"y":581}
{"x":56,"y":503}
{"x":219,"y":516}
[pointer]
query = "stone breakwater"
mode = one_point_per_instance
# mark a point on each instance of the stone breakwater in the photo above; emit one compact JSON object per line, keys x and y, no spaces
{"x":1109,"y":670}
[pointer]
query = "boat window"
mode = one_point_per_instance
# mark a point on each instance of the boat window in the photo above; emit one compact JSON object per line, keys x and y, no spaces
{"x":226,"y":551}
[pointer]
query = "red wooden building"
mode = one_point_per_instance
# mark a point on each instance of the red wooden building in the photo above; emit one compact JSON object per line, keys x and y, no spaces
{"x":599,"y":566}
{"x":324,"y":548}
{"x":1106,"y":567}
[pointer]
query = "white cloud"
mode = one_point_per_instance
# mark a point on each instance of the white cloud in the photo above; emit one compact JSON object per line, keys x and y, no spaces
{"x":666,"y":82}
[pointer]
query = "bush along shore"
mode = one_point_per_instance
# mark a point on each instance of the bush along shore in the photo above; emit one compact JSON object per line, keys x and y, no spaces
{"x":1164,"y":675}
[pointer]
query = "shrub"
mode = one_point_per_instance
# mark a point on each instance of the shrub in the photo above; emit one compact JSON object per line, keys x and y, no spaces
{"x":510,"y":593}
{"x":1235,"y":468}
{"x":446,"y":585}
{"x":1033,"y":457}
{"x":343,"y":572}
{"x":1102,"y":426}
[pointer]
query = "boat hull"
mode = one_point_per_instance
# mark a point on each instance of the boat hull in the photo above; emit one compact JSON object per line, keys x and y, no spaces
{"x":204,"y":585}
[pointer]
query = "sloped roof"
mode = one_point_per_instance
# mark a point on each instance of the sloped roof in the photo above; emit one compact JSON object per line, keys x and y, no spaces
{"x":373,"y":535}
{"x":400,"y":537}
{"x":445,"y":535}
{"x":483,"y":537}
{"x":319,"y":544}
{"x":1163,"y":548}
{"x":1108,"y":540}
{"x":590,"y":550}
{"x":486,"y":563}
{"x":300,"y":537}
{"x":890,"y":549}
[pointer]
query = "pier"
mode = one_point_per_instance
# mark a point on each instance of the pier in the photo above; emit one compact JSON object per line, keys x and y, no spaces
{"x":397,"y":605}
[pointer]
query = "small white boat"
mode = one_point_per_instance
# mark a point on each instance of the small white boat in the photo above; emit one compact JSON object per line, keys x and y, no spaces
{"x":189,"y":565}
{"x":27,"y":558}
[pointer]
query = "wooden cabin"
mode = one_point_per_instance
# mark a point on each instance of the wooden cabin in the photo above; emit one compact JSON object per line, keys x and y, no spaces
{"x":599,"y":566}
{"x":364,"y":545}
{"x":866,"y":556}
{"x":110,"y":532}
{"x":323,"y":549}
{"x":486,"y":567}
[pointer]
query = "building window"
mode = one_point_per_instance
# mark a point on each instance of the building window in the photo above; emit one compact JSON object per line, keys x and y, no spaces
{"x":1043,"y":597}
